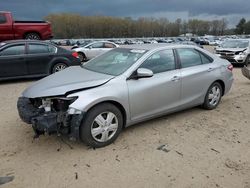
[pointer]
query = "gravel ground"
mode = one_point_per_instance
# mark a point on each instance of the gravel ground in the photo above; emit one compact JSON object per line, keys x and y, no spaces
{"x":192,"y":148}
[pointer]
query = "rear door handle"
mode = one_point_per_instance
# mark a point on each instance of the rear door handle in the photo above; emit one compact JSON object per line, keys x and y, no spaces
{"x":175,"y":78}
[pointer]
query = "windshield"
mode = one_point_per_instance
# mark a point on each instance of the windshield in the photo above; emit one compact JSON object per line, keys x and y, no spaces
{"x":235,"y":44}
{"x":114,"y":62}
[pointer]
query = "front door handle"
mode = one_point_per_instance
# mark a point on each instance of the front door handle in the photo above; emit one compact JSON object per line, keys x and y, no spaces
{"x":175,"y":78}
{"x":210,"y":69}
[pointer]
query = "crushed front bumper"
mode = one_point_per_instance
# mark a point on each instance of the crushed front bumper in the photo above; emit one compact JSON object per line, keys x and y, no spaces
{"x":49,"y":122}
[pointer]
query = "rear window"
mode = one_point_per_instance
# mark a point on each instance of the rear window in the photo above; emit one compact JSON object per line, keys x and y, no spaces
{"x":2,"y":19}
{"x":41,"y":49}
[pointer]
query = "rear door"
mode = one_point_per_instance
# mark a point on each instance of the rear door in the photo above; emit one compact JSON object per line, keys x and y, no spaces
{"x":13,"y":61}
{"x":158,"y":94}
{"x":197,"y":72}
{"x":6,"y":31}
{"x":39,"y":57}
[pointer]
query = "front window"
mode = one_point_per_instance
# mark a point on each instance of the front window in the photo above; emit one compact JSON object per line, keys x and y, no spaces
{"x":13,"y":50}
{"x":114,"y":62}
{"x":96,"y":45}
{"x":160,"y":61}
{"x":235,"y":44}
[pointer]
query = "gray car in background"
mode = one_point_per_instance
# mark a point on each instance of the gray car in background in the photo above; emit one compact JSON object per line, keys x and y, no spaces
{"x":122,"y":87}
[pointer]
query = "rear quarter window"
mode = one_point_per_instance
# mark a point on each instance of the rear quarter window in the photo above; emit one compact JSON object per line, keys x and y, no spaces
{"x":2,"y":19}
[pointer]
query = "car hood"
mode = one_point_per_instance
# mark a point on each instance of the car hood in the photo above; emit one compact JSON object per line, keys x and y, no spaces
{"x":70,"y":79}
{"x":230,"y":49}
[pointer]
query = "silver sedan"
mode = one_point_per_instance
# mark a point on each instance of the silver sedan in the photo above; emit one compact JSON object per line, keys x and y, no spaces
{"x":93,"y":49}
{"x":122,"y":87}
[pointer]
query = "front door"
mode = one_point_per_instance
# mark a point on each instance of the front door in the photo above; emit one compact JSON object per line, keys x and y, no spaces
{"x":158,"y":94}
{"x":13,"y":61}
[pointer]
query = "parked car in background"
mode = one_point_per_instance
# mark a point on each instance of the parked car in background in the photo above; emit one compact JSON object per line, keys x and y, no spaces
{"x":10,"y":29}
{"x":32,"y":58}
{"x":94,"y":49}
{"x":81,"y":44}
{"x":122,"y":87}
{"x":246,"y":71}
{"x":189,"y":43}
{"x":237,"y":51}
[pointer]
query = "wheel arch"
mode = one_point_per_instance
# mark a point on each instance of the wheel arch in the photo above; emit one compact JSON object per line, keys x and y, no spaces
{"x":83,"y":54}
{"x":116,"y":104}
{"x":54,"y":61}
{"x":222,"y":85}
{"x":28,"y":32}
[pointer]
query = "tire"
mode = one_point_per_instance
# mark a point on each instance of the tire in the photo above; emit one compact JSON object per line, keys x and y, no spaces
{"x":247,"y":61}
{"x":96,"y":130}
{"x":213,"y":96}
{"x":32,"y":36}
{"x":58,"y":67}
{"x":82,"y":56}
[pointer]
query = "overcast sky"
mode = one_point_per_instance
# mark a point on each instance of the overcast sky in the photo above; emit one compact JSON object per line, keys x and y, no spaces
{"x":232,"y":10}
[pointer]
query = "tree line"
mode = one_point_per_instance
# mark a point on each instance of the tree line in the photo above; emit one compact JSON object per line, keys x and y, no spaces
{"x":66,"y":25}
{"x":243,"y":27}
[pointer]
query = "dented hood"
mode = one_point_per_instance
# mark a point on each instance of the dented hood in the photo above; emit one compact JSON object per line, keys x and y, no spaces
{"x":70,"y":79}
{"x":230,"y":49}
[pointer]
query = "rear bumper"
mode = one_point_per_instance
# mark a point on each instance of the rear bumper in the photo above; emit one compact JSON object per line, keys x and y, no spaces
{"x":49,"y":122}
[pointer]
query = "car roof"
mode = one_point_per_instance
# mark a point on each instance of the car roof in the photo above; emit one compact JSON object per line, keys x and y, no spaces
{"x":29,"y":41}
{"x":155,"y":46}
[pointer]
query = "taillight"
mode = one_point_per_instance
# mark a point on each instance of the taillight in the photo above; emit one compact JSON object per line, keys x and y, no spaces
{"x":75,"y":54}
{"x":230,"y":67}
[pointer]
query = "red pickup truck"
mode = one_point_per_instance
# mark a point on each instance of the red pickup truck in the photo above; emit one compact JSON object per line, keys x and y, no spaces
{"x":10,"y":29}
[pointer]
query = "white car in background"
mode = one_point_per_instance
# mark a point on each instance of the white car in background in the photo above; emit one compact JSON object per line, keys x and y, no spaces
{"x":94,"y":49}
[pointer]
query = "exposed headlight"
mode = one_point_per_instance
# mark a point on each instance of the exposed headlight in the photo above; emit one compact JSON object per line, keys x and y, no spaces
{"x":74,"y":111}
{"x":62,"y":103}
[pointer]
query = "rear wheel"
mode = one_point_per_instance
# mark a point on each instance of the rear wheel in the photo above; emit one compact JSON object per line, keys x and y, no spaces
{"x":102,"y":125}
{"x":32,"y":36}
{"x":213,"y":96}
{"x":58,"y":67}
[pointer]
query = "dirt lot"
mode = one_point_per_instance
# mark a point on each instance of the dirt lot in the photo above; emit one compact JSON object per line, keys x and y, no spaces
{"x":193,"y":148}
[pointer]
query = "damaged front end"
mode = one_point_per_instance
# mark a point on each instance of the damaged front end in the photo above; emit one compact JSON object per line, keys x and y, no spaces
{"x":51,"y":115}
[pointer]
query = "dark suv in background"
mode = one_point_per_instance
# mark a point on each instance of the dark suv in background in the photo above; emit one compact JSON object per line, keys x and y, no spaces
{"x":32,"y":58}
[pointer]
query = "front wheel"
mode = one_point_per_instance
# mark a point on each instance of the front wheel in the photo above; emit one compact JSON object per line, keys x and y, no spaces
{"x":58,"y":67}
{"x":102,"y":125}
{"x":213,"y":96}
{"x":82,"y":56}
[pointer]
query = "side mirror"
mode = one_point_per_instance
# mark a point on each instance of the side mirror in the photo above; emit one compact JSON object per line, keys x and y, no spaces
{"x":143,"y":73}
